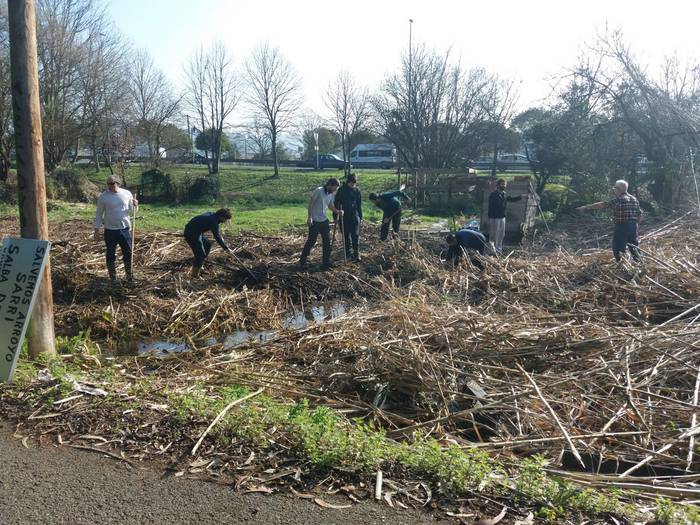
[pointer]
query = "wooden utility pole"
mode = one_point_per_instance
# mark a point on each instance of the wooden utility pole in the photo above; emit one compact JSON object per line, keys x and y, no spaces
{"x":30,"y":159}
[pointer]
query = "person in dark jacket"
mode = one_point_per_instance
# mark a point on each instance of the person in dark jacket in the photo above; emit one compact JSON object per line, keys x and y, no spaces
{"x":498,"y":201}
{"x":390,"y":203}
{"x":194,"y":235}
{"x":349,"y":199}
{"x":467,"y":242}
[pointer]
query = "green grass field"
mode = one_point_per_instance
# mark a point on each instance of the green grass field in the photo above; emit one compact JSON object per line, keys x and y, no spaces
{"x":250,"y":187}
{"x":259,"y":201}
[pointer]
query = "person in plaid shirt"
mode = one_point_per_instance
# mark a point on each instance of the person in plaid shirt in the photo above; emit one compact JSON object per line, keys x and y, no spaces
{"x":626,"y":215}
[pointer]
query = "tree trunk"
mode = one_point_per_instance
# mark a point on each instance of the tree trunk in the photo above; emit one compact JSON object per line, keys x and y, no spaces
{"x":95,"y":156}
{"x":494,"y":167}
{"x":667,"y":188}
{"x":75,"y":153}
{"x":346,"y":154}
{"x":274,"y":154}
{"x":4,"y":163}
{"x":31,"y":181}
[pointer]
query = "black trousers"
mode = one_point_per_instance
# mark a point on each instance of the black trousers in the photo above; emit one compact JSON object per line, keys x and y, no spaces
{"x":316,"y":228}
{"x":454,"y":254}
{"x":200,"y":248}
{"x":121,"y":238}
{"x":395,"y":223}
{"x":351,"y":233}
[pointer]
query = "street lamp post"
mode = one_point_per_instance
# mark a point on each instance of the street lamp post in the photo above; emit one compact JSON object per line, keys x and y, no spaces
{"x":316,"y":141}
{"x":410,"y":89}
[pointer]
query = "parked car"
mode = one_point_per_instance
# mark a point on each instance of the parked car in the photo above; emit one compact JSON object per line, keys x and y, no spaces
{"x":373,"y":156}
{"x":504,"y":162}
{"x":325,"y":161}
{"x":513,"y":158}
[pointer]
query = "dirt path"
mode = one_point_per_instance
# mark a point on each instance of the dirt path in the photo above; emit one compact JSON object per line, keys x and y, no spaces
{"x":59,"y":485}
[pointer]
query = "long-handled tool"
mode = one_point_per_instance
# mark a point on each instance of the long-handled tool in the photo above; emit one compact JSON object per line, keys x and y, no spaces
{"x":335,"y":224}
{"x":240,"y":263}
{"x":388,"y":220}
{"x":133,"y":240}
{"x":359,"y":236}
{"x":539,"y":208}
{"x":342,"y":234}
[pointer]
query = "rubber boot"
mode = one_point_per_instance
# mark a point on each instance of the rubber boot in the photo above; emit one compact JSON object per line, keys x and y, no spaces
{"x":194,"y":273}
{"x":129,"y":274}
{"x":356,"y":256}
{"x":112,"y":270}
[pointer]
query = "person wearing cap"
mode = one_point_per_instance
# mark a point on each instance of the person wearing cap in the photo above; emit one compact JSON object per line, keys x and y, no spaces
{"x":390,"y":204}
{"x":626,"y":215}
{"x":198,"y":242}
{"x":322,"y":199}
{"x":468,"y":242}
{"x":113,"y":207}
{"x":349,"y":199}
{"x":498,"y":201}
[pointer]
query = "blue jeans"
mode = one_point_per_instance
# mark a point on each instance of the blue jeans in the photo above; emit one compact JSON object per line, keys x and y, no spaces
{"x":122,"y":238}
{"x":625,"y":236}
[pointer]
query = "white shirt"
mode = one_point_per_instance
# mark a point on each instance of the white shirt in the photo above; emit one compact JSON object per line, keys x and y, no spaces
{"x":113,"y":209}
{"x":320,"y":201}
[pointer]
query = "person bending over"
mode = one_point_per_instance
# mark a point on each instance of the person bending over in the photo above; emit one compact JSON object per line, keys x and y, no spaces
{"x":194,"y":235}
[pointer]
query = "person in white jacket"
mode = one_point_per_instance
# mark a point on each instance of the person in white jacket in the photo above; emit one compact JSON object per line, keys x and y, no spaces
{"x":113,"y":207}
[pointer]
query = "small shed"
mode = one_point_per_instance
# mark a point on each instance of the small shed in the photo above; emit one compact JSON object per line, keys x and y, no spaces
{"x":451,"y":189}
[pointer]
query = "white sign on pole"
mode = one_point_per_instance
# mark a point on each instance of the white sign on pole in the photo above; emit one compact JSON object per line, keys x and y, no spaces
{"x":22,"y":264}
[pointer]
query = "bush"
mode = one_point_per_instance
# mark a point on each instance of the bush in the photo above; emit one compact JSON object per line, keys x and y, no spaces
{"x":552,"y":197}
{"x":8,"y":189}
{"x":71,"y":184}
{"x":156,"y":186}
{"x":202,"y":189}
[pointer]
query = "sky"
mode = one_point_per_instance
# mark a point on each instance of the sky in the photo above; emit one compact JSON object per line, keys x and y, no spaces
{"x":532,"y":41}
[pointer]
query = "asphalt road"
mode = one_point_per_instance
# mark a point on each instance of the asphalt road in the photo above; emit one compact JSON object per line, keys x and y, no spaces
{"x":45,"y":484}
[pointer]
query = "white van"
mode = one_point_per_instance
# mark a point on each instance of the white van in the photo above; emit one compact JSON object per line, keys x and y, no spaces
{"x":373,"y":156}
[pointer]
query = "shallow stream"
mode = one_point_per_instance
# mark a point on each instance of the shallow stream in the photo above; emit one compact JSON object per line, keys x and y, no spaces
{"x":293,"y":320}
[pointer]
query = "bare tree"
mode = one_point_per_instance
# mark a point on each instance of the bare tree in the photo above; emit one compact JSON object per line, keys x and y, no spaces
{"x":275,"y":92}
{"x":65,"y":29}
{"x":213,"y":92}
{"x":663,"y":114}
{"x":103,"y":89}
{"x":259,"y":134}
{"x":429,"y":110}
{"x":6,"y":126}
{"x":499,"y":104}
{"x":349,"y":106}
{"x":155,"y":105}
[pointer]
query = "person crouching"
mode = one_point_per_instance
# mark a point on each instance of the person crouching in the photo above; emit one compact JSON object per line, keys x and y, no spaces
{"x":467,"y":242}
{"x":198,"y":242}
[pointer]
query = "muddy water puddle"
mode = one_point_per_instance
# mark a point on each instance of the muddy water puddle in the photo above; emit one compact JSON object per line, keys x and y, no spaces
{"x":293,"y":320}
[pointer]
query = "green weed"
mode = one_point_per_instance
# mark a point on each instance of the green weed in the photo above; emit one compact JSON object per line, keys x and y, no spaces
{"x":670,"y":513}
